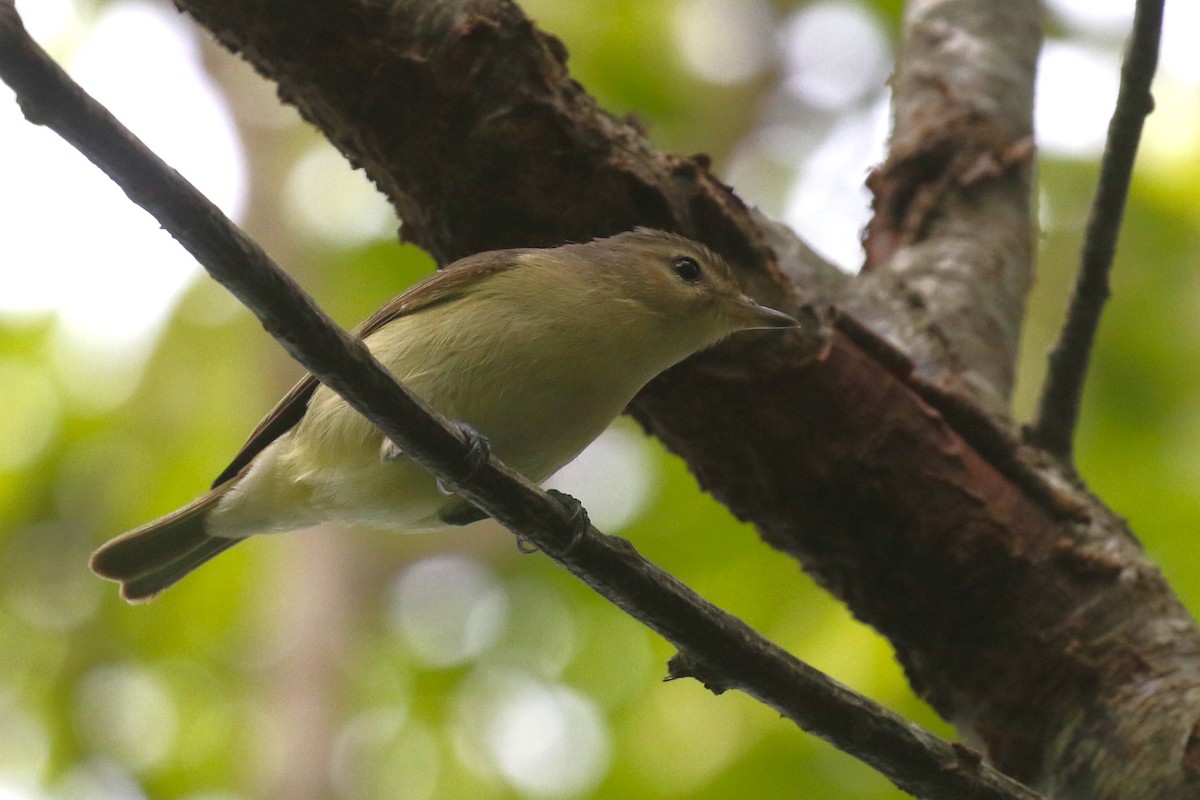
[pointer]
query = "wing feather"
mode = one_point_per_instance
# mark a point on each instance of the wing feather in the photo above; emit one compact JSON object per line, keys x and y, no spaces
{"x":452,"y":282}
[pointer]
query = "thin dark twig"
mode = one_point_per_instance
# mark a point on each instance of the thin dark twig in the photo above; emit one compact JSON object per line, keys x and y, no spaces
{"x":714,"y":646}
{"x":1058,"y":409}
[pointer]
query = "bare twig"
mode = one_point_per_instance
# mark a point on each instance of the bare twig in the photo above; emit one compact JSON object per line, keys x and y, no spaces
{"x":715,"y":646}
{"x":1058,"y":409}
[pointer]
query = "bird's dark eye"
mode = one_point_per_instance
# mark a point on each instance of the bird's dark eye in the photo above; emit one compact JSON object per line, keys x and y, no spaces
{"x":686,"y":268}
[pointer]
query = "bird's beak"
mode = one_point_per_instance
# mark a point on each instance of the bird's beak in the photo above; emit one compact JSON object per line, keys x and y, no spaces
{"x":749,"y":315}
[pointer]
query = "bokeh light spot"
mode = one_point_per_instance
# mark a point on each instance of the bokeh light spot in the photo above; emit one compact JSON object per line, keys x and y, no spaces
{"x":47,"y":584}
{"x":540,"y":635}
{"x":613,"y":477}
{"x":681,"y":738}
{"x":125,"y":712}
{"x":24,"y":750}
{"x":15,"y":793}
{"x":836,"y":54}
{"x":723,"y":41}
{"x":448,"y":609}
{"x":381,"y":754}
{"x":545,"y":739}
{"x":332,"y":202}
{"x":97,"y":779}
{"x":29,"y":414}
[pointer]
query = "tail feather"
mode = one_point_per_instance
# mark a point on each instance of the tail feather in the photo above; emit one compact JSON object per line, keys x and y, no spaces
{"x":146,"y":587}
{"x":148,"y":559}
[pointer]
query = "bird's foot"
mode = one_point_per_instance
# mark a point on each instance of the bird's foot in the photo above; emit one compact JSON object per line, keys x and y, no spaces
{"x":479,"y":450}
{"x":478,"y":453}
{"x":579,"y":522}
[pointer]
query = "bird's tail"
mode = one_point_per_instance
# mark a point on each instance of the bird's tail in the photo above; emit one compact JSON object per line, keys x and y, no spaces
{"x":148,"y":559}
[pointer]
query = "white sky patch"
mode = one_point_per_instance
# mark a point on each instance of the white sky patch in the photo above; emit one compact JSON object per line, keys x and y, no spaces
{"x":1111,"y":21}
{"x":1076,"y":91}
{"x":1078,"y":82}
{"x":72,"y":243}
{"x":829,"y":203}
{"x":1172,"y":133}
{"x":1095,"y":16}
{"x":1179,"y":57}
{"x":47,"y":20}
{"x":14,"y":793}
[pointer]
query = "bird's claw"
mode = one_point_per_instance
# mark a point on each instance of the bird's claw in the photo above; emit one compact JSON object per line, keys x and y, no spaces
{"x":479,"y":450}
{"x":579,"y":521}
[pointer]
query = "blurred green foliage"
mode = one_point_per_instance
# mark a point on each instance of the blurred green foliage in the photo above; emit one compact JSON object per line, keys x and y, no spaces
{"x":284,"y":669}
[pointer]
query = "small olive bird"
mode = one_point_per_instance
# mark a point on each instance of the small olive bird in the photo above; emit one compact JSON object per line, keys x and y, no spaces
{"x":538,"y":350}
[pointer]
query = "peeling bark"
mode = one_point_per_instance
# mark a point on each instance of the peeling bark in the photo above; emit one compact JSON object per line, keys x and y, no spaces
{"x":953,"y":231}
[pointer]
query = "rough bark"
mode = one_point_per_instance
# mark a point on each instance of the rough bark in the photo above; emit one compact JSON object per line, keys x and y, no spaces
{"x":1020,"y":607}
{"x":952,"y":230}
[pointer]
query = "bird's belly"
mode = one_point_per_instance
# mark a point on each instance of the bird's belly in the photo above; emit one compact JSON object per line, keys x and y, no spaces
{"x":329,"y":469}
{"x":398,"y":495}
{"x":538,"y":430}
{"x":291,"y":487}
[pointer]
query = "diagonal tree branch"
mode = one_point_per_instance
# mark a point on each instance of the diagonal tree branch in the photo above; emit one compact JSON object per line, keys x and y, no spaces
{"x":714,"y":646}
{"x":1058,"y":409}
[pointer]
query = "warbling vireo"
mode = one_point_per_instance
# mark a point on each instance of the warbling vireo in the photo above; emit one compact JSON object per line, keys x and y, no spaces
{"x":538,"y":350}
